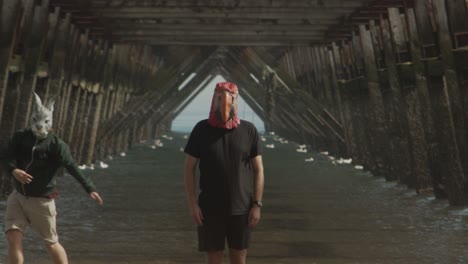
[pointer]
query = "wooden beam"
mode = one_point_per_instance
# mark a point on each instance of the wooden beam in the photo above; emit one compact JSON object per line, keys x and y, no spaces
{"x":256,"y":3}
{"x":317,"y":14}
{"x":226,"y":27}
{"x":217,"y":42}
{"x":219,"y":34}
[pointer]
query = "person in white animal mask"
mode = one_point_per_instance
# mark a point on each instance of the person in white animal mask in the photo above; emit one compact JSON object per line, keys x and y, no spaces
{"x":33,"y":157}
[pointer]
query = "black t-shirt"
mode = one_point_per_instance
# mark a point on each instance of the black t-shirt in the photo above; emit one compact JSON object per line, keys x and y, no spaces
{"x":226,"y":171}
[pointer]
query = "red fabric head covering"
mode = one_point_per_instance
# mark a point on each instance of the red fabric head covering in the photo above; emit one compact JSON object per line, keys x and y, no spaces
{"x":223,"y":113}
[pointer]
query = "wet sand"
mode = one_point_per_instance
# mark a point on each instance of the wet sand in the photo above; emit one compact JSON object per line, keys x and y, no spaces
{"x":314,"y":212}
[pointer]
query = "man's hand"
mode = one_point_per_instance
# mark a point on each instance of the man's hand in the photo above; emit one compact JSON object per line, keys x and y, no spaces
{"x":254,"y":216}
{"x":22,"y":176}
{"x":196,"y":214}
{"x":95,"y":196}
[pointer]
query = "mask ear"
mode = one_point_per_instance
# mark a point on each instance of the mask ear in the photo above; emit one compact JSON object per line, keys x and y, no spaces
{"x":50,"y":104}
{"x":38,"y":101}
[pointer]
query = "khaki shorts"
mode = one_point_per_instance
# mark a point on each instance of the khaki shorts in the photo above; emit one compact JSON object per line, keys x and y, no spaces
{"x":40,"y":213}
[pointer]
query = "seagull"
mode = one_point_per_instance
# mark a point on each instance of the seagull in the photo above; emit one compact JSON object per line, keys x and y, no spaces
{"x":344,"y":161}
{"x":82,"y":167}
{"x":309,"y":159}
{"x":358,"y":167}
{"x":272,"y":133}
{"x":123,"y":154}
{"x":324,"y":153}
{"x":167,"y":137}
{"x":158,"y":143}
{"x":271,"y":146}
{"x":347,"y":161}
{"x":103,"y":165}
{"x":301,"y":150}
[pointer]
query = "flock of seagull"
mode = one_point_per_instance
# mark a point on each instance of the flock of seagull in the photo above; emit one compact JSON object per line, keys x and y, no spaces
{"x":303,"y":149}
{"x":158,"y":143}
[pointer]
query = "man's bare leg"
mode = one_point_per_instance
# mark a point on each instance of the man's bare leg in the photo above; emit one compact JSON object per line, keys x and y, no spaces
{"x":15,"y":246}
{"x":57,"y":253}
{"x":214,"y":257}
{"x":237,"y":256}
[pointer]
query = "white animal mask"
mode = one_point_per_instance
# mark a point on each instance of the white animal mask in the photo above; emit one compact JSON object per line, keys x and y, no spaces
{"x":41,"y":117}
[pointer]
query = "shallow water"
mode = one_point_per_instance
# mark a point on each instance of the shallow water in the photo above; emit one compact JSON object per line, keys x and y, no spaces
{"x":314,"y":212}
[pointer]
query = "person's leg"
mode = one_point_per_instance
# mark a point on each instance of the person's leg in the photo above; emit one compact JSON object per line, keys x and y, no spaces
{"x":43,"y":214}
{"x":57,"y":253}
{"x":238,"y":238}
{"x":15,"y":246}
{"x":211,"y":238}
{"x":237,"y":256}
{"x":15,"y":224}
{"x":214,"y":257}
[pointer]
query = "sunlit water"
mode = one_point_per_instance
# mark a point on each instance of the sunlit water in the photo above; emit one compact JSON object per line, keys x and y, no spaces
{"x":314,"y":212}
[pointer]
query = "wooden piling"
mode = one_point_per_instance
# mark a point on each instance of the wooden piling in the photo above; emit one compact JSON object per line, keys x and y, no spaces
{"x":378,"y":137}
{"x":397,"y":119}
{"x":33,"y":50}
{"x":447,"y":91}
{"x":10,"y":19}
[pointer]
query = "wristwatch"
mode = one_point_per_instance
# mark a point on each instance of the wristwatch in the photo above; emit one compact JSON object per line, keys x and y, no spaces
{"x":258,"y":203}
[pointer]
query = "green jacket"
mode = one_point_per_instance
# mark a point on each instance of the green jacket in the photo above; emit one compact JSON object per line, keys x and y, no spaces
{"x":42,"y":159}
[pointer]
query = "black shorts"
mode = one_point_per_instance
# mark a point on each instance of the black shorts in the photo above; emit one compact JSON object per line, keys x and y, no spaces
{"x":217,"y":229}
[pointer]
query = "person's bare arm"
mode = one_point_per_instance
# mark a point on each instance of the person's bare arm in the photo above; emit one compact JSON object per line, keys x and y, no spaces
{"x":254,"y":216}
{"x":22,"y":176}
{"x":95,"y":196}
{"x":189,"y":178}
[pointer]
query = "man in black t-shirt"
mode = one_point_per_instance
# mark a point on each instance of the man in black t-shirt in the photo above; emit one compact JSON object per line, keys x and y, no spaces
{"x":231,"y":178}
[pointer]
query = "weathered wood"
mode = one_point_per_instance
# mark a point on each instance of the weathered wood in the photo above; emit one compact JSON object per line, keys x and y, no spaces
{"x":424,"y":100}
{"x":70,"y":123}
{"x":338,"y":76}
{"x":43,"y":68}
{"x":454,"y":100}
{"x":227,"y":41}
{"x":239,"y":12}
{"x":85,"y":121}
{"x":70,"y":80}
{"x":56,"y":55}
{"x":78,"y":59}
{"x":397,"y":30}
{"x":397,"y":128}
{"x":34,"y":48}
{"x":425,"y":29}
{"x":356,"y":101}
{"x":11,"y":87}
{"x":378,"y":137}
{"x":229,"y":4}
{"x":9,"y":11}
{"x":412,"y":123}
{"x":457,"y":14}
{"x":97,"y":105}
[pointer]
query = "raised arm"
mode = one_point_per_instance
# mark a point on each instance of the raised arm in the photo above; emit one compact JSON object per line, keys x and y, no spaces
{"x":70,"y":165}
